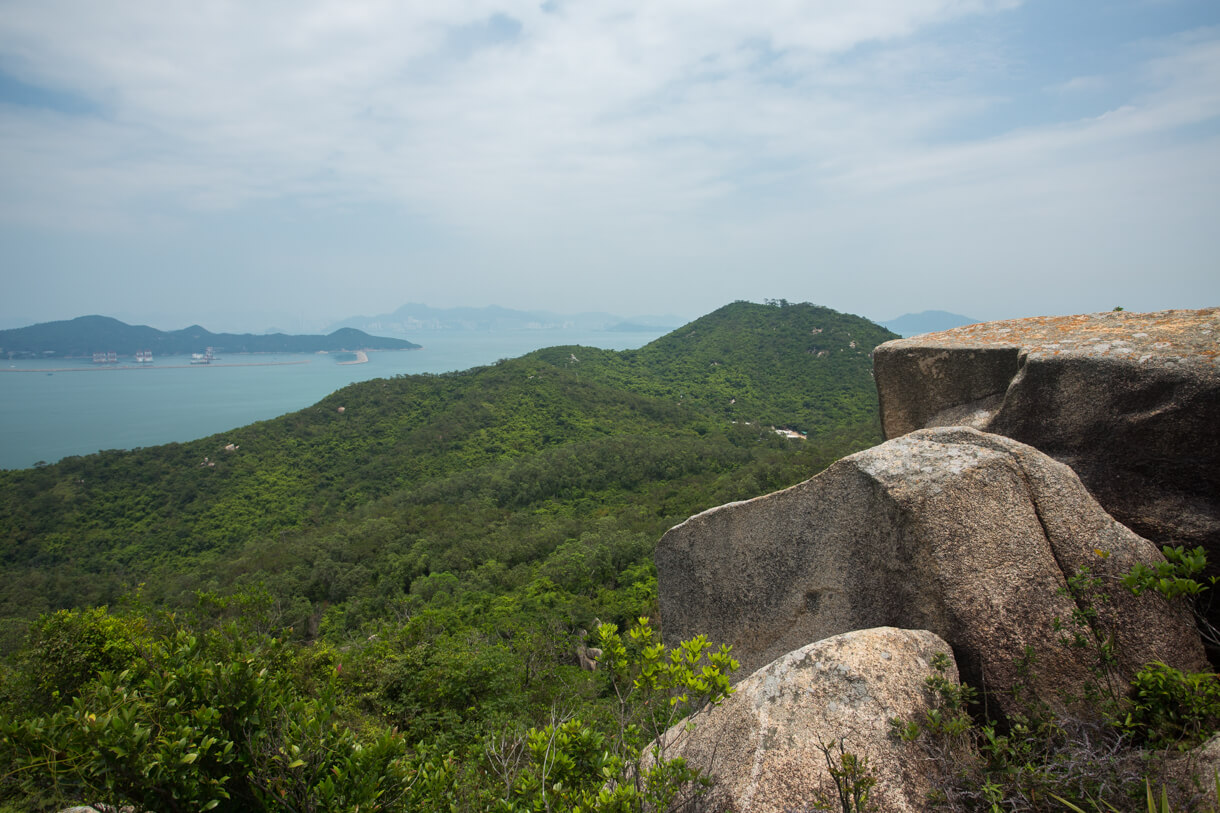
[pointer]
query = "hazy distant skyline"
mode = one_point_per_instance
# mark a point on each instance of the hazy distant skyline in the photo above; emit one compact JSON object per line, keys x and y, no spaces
{"x":246,"y":165}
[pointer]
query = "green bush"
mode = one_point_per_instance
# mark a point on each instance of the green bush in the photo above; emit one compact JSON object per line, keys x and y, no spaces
{"x":1178,"y":578}
{"x":69,"y":648}
{"x":571,"y":765}
{"x":1172,"y":578}
{"x":1018,"y":763}
{"x":209,"y":721}
{"x":1103,"y":762}
{"x":445,"y":687}
{"x":1171,"y":708}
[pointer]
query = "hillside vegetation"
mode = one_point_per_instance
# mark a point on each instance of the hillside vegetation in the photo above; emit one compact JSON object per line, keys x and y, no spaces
{"x":416,"y":557}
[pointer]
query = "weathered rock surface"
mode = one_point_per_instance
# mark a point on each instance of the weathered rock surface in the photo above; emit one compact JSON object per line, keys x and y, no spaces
{"x":1192,"y":776}
{"x":760,"y":745}
{"x":1131,"y":401}
{"x":966,"y":534}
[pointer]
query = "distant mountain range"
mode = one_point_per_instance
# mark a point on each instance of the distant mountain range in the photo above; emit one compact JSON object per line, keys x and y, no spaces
{"x":913,"y":324}
{"x":86,"y":335}
{"x":413,"y":318}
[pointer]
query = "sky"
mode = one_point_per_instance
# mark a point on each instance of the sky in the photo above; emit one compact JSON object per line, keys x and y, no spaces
{"x":294,"y":162}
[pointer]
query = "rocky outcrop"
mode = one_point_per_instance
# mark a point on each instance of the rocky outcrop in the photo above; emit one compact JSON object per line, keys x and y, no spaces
{"x":587,"y":656}
{"x":1131,"y":401}
{"x":761,"y":745}
{"x":970,"y":535}
{"x":1195,"y":776}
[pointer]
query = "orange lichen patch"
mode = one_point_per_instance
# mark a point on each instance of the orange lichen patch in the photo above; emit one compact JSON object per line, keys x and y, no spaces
{"x":1191,"y":336}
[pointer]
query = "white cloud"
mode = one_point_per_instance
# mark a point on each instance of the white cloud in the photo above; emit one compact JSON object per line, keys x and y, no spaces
{"x":599,"y":98}
{"x":1080,"y":84}
{"x":600,"y":135}
{"x":1185,"y":92}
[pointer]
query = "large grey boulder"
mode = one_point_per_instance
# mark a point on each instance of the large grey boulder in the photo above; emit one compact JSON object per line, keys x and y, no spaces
{"x":761,"y":745}
{"x":1131,"y":401}
{"x":970,"y":535}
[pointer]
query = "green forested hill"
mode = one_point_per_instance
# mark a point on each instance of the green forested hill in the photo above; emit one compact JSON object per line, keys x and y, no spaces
{"x":99,"y":524}
{"x":85,"y":335}
{"x":444,"y":536}
{"x":797,"y":366}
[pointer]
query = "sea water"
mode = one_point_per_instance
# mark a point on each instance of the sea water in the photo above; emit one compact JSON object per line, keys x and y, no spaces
{"x":52,"y":409}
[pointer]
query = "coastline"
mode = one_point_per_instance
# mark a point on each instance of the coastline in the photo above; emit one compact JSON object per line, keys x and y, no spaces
{"x":110,"y":368}
{"x":49,"y":417}
{"x":361,"y":358}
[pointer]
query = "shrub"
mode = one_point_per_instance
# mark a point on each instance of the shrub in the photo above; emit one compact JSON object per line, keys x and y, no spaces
{"x":569,"y":765}
{"x":209,"y":721}
{"x":70,"y":648}
{"x":1171,"y":708}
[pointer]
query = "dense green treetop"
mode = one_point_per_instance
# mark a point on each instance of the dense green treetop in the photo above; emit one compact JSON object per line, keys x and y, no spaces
{"x":797,"y":366}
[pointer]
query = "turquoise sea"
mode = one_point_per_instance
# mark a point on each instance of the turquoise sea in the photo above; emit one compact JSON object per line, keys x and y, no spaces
{"x":52,"y":409}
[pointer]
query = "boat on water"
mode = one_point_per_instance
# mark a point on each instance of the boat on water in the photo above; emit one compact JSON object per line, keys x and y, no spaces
{"x":202,"y":358}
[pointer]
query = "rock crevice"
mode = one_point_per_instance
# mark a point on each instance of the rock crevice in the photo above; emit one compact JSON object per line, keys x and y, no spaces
{"x":969,"y":535}
{"x":978,"y":528}
{"x":1130,"y":401}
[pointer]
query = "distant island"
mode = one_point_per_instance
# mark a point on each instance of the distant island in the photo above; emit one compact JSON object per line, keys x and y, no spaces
{"x":914,"y":324}
{"x":87,"y":336}
{"x":414,"y":317}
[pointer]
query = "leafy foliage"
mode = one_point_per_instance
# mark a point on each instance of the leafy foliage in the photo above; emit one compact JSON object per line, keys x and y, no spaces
{"x":413,"y":573}
{"x":212,"y":720}
{"x":574,"y":767}
{"x":1178,"y":578}
{"x":1020,"y":763}
{"x":228,"y":718}
{"x":852,"y":779}
{"x":455,"y":455}
{"x":1086,"y":632}
{"x":1173,"y":709}
{"x":69,"y":649}
{"x":1104,"y":759}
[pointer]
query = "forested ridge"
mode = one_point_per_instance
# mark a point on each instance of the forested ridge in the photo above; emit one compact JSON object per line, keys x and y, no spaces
{"x":417,"y":556}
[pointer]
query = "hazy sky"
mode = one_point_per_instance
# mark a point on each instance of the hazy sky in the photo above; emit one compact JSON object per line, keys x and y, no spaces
{"x":290,"y":162}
